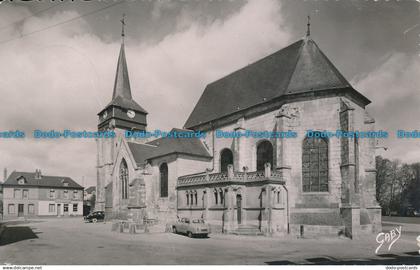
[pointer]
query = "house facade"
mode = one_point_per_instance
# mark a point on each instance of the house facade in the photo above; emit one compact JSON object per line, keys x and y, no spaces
{"x":31,"y":194}
{"x":89,"y":199}
{"x":287,"y":179}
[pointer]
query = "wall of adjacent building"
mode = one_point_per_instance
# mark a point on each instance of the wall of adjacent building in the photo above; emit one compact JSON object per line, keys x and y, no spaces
{"x":39,"y":200}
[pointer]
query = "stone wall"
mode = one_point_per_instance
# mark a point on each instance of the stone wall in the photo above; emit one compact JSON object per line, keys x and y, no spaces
{"x":311,"y":209}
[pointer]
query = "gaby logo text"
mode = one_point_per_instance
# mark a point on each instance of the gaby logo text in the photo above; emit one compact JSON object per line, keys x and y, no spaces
{"x":388,"y":238}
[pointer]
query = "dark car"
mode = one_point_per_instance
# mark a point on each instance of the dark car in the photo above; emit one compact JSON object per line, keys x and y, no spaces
{"x":95,"y":216}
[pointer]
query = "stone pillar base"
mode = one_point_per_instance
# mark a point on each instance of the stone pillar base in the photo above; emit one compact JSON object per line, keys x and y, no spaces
{"x":375,"y":215}
{"x":99,"y":206}
{"x":351,"y":217}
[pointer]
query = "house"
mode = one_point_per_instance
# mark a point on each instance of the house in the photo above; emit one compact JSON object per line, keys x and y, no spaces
{"x":88,"y":193}
{"x":30,"y":194}
{"x":276,"y":185}
{"x":89,"y":199}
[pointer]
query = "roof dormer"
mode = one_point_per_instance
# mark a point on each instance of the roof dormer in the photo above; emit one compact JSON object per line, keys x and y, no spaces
{"x":21,"y":180}
{"x":65,"y":183}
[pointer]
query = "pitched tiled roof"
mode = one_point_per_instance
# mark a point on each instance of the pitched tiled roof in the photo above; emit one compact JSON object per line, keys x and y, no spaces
{"x":121,"y":96}
{"x":45,"y":181}
{"x":164,"y":146}
{"x":300,"y":67}
{"x":90,"y":189}
{"x":141,"y":152}
{"x":126,"y":104}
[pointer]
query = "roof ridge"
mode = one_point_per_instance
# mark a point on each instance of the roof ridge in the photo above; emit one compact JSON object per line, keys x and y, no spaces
{"x":43,"y":175}
{"x":141,"y":143}
{"x":332,"y":66}
{"x":295,"y":69}
{"x":299,"y":54}
{"x":254,"y":62}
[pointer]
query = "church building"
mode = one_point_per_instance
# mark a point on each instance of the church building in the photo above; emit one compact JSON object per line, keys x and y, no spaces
{"x":273,"y":186}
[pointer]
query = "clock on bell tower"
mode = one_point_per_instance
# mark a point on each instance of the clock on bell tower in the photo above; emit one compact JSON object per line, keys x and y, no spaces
{"x":122,"y":113}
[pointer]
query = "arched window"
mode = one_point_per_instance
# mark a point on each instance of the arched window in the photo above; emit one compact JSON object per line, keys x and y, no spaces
{"x":315,"y":165}
{"x":221,"y":196}
{"x":264,"y":154}
{"x":226,"y":158}
{"x":124,"y":179}
{"x":188,"y":198}
{"x":163,"y":169}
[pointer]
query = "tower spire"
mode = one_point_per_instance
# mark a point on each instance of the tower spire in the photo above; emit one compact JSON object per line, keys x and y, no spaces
{"x":308,"y":31}
{"x":122,"y":82}
{"x":122,"y":28}
{"x":123,"y":111}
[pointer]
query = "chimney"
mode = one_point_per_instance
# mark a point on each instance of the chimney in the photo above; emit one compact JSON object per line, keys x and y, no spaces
{"x":4,"y":175}
{"x":38,"y":174}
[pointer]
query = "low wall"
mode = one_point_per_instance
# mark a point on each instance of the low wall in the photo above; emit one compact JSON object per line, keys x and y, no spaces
{"x":2,"y":229}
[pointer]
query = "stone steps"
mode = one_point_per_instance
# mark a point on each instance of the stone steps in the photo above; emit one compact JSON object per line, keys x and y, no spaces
{"x":247,"y":230}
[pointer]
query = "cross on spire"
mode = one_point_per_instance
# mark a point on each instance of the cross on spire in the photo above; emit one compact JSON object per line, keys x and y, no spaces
{"x":308,"y":31}
{"x":122,"y":27}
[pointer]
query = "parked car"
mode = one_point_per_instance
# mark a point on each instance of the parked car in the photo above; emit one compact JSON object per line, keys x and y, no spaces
{"x":417,"y":213}
{"x":193,"y":227}
{"x":95,"y":216}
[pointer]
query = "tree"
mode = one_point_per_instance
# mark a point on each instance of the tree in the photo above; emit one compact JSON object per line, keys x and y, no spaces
{"x":414,"y":187}
{"x":397,"y":186}
{"x":383,"y":182}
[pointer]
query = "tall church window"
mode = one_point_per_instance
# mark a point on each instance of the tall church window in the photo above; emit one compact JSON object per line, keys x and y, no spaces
{"x":195,"y":197}
{"x":264,"y":154}
{"x":163,"y":169}
{"x":226,"y":158}
{"x":315,"y":165}
{"x":188,"y":197}
{"x":124,"y":179}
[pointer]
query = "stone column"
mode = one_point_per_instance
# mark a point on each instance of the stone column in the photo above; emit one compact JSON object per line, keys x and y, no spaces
{"x":268,"y":209}
{"x":282,"y":165}
{"x":368,"y":190}
{"x":206,"y":203}
{"x":240,"y":148}
{"x":228,"y":211}
{"x":230,"y":171}
{"x":105,"y":153}
{"x":350,"y":203}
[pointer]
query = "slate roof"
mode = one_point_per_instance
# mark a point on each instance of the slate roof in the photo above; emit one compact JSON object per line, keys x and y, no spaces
{"x":90,"y":189}
{"x":45,"y":181}
{"x":165,"y":146}
{"x":298,"y":68}
{"x":121,"y":96}
{"x":126,"y":104}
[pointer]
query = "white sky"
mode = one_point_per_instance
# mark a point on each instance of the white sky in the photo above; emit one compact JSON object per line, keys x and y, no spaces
{"x":60,"y":78}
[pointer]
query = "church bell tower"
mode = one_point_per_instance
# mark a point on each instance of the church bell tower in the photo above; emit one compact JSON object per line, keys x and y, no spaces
{"x":121,"y":114}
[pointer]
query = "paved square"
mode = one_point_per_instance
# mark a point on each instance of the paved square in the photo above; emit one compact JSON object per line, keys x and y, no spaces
{"x":71,"y":241}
